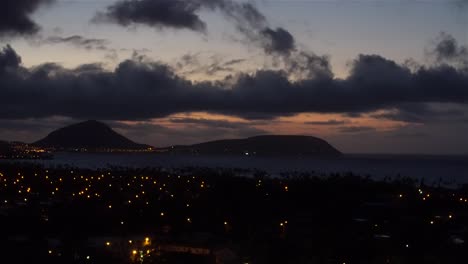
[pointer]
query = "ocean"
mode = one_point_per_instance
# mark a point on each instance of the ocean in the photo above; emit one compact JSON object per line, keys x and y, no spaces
{"x":451,"y":170}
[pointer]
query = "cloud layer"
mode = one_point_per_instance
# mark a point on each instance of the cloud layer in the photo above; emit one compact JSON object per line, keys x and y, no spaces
{"x":184,"y":14}
{"x":139,"y":89}
{"x":78,"y":41}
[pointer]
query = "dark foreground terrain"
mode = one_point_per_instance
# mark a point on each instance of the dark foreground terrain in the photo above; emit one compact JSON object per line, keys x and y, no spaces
{"x":199,"y":215}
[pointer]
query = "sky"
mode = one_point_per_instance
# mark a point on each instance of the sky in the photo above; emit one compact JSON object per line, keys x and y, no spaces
{"x":368,"y":76}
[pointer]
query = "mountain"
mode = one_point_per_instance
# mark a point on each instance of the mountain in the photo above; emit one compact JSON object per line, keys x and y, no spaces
{"x":263,"y":145}
{"x":90,"y":136}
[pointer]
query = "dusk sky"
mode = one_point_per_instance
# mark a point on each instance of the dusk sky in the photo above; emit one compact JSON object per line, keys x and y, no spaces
{"x":368,"y":76}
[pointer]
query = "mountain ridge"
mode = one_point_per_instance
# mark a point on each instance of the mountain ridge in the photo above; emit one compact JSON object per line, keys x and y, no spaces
{"x":261,"y":145}
{"x":93,"y":135}
{"x":89,"y":135}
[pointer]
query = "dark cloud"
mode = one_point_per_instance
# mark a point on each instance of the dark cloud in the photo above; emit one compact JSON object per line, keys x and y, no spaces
{"x":189,"y":60}
{"x":220,"y":66}
{"x":306,"y":64}
{"x":254,"y":26}
{"x":447,"y":49}
{"x":278,"y":41}
{"x":195,"y":64}
{"x":15,"y":17}
{"x":233,"y":62}
{"x":141,"y":89}
{"x":79,"y":42}
{"x":331,"y":122}
{"x":157,"y":13}
{"x":211,"y":69}
{"x":88,"y":68}
{"x":9,"y":59}
{"x":183,"y":14}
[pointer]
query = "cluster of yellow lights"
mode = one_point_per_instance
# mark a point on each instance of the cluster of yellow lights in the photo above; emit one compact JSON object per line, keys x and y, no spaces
{"x":428,"y":195}
{"x":86,"y":191}
{"x":259,"y":183}
{"x":85,"y":187}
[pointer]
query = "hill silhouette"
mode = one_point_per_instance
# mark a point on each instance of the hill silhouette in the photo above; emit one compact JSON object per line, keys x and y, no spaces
{"x":90,"y":135}
{"x":263,"y":145}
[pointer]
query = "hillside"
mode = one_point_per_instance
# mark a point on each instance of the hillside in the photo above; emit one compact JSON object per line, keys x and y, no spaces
{"x":263,"y":145}
{"x":90,"y":135}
